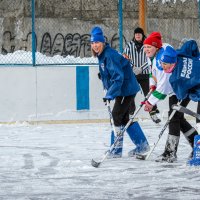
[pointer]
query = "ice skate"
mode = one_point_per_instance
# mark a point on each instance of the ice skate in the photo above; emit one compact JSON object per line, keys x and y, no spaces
{"x":138,"y":151}
{"x":190,"y":135}
{"x":171,"y":146}
{"x":154,"y":117}
{"x":167,"y":158}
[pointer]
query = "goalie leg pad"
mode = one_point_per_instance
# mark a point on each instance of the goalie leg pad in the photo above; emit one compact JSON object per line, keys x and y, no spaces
{"x":138,"y":138}
{"x":117,"y":150}
{"x":195,"y":161}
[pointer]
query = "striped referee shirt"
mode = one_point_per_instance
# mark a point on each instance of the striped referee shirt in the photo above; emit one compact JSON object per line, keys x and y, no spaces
{"x":137,"y":59}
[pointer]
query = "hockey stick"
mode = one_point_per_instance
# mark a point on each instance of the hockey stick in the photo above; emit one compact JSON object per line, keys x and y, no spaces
{"x":187,"y":111}
{"x":111,"y":117}
{"x":110,"y":114}
{"x":146,"y":157}
{"x":93,"y":162}
{"x":116,"y":141}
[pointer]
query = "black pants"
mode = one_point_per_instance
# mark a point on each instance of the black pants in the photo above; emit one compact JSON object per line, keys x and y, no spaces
{"x":143,"y":80}
{"x":178,"y":122}
{"x":123,"y":107}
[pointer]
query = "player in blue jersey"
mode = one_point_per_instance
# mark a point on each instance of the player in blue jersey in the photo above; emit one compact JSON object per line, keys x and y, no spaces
{"x":164,"y":60}
{"x":121,"y":85}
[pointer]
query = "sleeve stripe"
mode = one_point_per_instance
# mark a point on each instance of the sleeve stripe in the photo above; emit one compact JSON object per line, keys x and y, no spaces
{"x":159,"y":95}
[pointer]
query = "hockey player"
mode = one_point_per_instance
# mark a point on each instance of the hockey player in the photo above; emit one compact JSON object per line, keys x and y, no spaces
{"x":134,"y":51}
{"x":121,"y":85}
{"x":161,"y":75}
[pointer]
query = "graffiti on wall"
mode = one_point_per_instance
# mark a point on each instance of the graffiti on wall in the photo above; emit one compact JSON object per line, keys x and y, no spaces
{"x":71,"y":44}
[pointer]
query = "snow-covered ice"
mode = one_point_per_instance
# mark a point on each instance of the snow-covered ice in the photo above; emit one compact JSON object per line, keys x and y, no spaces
{"x":53,"y":162}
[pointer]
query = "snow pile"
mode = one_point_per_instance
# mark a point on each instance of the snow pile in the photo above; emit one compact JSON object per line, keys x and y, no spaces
{"x":25,"y":57}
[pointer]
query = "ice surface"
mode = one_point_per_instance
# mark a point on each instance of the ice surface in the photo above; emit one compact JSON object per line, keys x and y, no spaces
{"x":52,"y":162}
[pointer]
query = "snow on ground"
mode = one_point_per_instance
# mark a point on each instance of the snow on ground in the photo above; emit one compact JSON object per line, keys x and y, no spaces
{"x":53,"y":162}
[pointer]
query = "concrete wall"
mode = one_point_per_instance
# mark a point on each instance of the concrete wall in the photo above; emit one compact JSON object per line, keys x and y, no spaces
{"x":50,"y":93}
{"x":63,"y":26}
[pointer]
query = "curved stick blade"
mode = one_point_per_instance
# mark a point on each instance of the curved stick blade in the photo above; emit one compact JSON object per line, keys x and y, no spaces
{"x":95,"y":164}
{"x":141,"y":157}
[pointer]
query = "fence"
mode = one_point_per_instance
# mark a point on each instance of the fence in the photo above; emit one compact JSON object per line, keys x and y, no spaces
{"x":55,"y":32}
{"x":43,"y":47}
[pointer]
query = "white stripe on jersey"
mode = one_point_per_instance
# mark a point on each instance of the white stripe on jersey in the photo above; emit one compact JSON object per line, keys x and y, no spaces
{"x":137,"y":58}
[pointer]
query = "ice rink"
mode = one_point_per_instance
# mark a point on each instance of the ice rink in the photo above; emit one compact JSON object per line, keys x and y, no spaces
{"x":52,"y":162}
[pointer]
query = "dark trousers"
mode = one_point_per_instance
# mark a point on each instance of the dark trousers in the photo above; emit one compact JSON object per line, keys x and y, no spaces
{"x":178,"y":122}
{"x":123,"y":107}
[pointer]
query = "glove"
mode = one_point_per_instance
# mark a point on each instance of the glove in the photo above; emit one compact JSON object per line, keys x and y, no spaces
{"x":152,"y":88}
{"x":99,"y":76}
{"x":106,"y":99}
{"x":118,"y":130}
{"x":137,"y":70}
{"x":126,"y":56}
{"x":147,"y":106}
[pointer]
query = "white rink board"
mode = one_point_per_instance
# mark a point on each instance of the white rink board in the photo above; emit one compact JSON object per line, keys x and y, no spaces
{"x":49,"y":93}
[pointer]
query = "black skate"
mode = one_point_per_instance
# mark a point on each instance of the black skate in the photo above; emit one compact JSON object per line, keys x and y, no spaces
{"x":154,"y":117}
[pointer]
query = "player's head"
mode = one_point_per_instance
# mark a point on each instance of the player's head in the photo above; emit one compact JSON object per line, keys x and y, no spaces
{"x":97,"y":40}
{"x":152,"y":44}
{"x":97,"y":35}
{"x":168,"y":59}
{"x":139,"y":35}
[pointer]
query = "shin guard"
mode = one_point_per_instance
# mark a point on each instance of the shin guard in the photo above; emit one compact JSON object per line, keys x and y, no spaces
{"x":138,"y":138}
{"x":195,"y":161}
{"x":117,"y":150}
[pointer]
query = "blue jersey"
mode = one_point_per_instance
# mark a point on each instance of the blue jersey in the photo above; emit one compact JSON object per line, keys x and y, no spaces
{"x":116,"y":74}
{"x":185,"y":79}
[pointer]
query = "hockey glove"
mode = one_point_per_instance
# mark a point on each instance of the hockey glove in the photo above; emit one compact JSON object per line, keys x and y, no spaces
{"x":105,"y":100}
{"x":152,"y":88}
{"x":99,"y":76}
{"x":137,"y":70}
{"x":147,"y":106}
{"x":126,"y":56}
